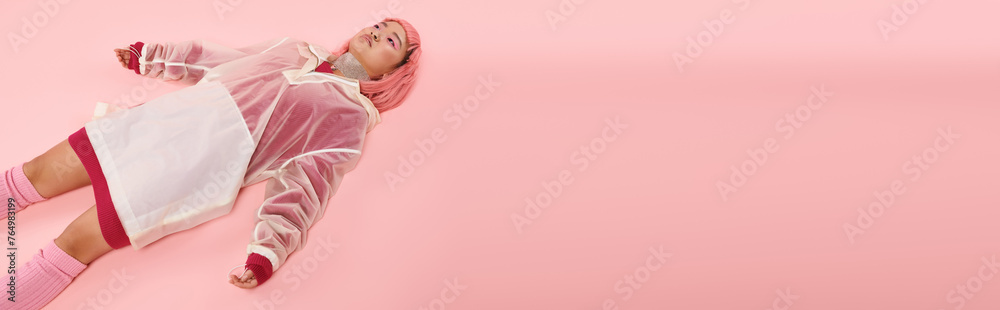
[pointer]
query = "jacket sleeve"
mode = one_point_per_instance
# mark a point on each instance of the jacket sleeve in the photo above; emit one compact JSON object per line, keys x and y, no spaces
{"x":187,"y":61}
{"x":294,"y":200}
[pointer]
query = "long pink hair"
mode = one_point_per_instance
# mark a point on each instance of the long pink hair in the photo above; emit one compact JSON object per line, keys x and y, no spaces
{"x":388,"y":92}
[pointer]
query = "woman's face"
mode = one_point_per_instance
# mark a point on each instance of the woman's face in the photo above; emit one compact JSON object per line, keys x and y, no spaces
{"x":380,"y":48}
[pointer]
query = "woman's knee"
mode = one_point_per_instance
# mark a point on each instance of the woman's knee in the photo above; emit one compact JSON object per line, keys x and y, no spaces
{"x":82,"y":239}
{"x":56,"y":171}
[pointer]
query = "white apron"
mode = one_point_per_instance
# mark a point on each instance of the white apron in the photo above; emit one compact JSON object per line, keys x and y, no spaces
{"x":174,"y":162}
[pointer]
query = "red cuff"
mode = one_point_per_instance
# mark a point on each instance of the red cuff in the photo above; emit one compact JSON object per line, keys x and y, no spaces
{"x":133,"y":62}
{"x":261,"y":267}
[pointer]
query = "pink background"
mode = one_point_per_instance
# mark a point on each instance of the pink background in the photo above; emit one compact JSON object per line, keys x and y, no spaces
{"x":651,"y":186}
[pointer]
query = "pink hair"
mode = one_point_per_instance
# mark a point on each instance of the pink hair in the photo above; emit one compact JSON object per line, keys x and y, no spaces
{"x":388,"y":92}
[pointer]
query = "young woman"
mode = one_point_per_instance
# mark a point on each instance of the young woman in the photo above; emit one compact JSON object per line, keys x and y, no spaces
{"x":285,"y":111}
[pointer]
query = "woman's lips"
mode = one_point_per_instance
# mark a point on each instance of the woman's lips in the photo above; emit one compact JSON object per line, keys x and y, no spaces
{"x":367,"y":38}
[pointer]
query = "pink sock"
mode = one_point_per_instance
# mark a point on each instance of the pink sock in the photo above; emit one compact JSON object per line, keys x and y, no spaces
{"x":42,"y":278}
{"x":16,"y":185}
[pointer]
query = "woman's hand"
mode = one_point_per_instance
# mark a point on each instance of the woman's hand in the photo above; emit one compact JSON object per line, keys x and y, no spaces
{"x":123,"y":56}
{"x":246,"y":281}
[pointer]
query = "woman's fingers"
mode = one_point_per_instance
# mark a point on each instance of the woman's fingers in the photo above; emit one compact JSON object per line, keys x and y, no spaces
{"x":246,"y":281}
{"x":249,"y":278}
{"x":123,"y":57}
{"x":236,"y":281}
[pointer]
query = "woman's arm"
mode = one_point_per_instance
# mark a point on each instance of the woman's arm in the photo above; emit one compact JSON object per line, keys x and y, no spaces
{"x":296,"y":199}
{"x":184,"y":61}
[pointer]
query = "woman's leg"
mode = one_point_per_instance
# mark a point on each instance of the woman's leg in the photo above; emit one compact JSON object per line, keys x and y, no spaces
{"x":82,"y":239}
{"x":56,"y":171}
{"x":52,"y":269}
